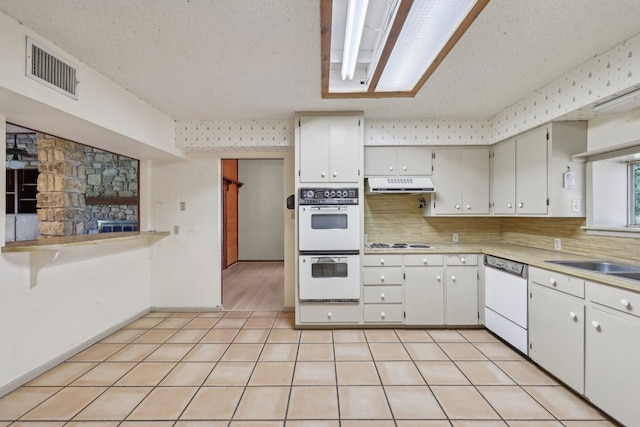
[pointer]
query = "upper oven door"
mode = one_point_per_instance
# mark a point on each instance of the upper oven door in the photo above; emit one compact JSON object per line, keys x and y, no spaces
{"x":329,"y":228}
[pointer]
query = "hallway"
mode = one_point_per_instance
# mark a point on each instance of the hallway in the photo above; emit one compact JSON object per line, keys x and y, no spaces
{"x":253,"y":286}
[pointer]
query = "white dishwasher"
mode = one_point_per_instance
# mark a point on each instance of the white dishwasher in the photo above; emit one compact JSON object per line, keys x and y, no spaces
{"x":505,"y":300}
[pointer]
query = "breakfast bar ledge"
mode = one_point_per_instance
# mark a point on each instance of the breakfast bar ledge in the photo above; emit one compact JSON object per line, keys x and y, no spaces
{"x":46,"y":251}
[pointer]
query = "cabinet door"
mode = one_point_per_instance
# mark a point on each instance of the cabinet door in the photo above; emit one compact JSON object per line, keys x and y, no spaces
{"x":315,"y":134}
{"x":424,"y":296}
{"x":503,"y":178}
{"x":531,"y":173}
{"x":380,"y":161}
{"x":612,"y":377}
{"x":414,"y":161}
{"x":447,"y":200}
{"x":344,"y":149}
{"x":461,"y":295}
{"x":475,"y":181}
{"x":556,"y":335}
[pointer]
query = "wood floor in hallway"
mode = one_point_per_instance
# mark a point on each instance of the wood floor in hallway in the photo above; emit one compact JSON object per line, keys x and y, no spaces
{"x":253,"y":286}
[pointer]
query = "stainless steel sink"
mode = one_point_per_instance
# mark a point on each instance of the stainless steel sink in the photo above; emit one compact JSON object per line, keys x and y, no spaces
{"x":598,"y":266}
{"x":614,"y":269}
{"x":632,"y":275}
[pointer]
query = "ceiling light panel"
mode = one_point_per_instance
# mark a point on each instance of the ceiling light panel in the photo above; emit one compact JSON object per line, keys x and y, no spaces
{"x":428,"y":27}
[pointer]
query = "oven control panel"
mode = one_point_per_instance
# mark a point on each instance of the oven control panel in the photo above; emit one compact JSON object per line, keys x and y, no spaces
{"x":328,"y":196}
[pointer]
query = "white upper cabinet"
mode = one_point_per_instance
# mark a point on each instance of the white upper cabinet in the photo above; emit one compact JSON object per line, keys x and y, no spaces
{"x":397,"y":161}
{"x":461,"y":176}
{"x":329,"y":148}
{"x":503,"y":178}
{"x":531,"y":173}
{"x":528,"y":172}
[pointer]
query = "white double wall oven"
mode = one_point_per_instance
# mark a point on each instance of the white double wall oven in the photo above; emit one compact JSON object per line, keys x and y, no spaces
{"x":329,"y":244}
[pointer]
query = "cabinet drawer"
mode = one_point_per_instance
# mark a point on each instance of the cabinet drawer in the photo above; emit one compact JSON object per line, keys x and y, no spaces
{"x":462,"y":259}
{"x":420,"y":260}
{"x":561,"y":282}
{"x":383,"y":313}
{"x":383,"y":294}
{"x":383,"y":260}
{"x":382,"y":276}
{"x":329,"y":313}
{"x":615,"y":298}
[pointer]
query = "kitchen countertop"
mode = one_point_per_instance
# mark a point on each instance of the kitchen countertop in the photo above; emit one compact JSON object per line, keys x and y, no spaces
{"x":527,"y":255}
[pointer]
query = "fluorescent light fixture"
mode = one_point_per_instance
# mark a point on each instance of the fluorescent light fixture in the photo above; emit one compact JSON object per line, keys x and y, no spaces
{"x":428,"y":27}
{"x":356,"y":12}
{"x":622,"y":103}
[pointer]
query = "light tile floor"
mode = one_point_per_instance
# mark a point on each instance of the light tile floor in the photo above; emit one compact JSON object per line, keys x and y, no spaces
{"x":253,"y":369}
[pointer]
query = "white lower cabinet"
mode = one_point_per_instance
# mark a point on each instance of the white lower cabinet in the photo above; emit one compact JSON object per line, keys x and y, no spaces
{"x":421,"y":289}
{"x":424,"y":289}
{"x":330,"y":313}
{"x":556,"y":334}
{"x":612,"y":375}
{"x":461,"y":295}
{"x":461,"y":290}
{"x":382,"y":280}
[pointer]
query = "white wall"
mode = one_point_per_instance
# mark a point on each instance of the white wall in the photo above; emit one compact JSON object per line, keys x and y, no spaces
{"x":186,"y":270}
{"x":105,"y":115}
{"x":91,"y":290}
{"x":261,"y":209}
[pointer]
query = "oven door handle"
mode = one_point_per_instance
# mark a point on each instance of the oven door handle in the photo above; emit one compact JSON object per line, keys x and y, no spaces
{"x":325,"y":260}
{"x":328,"y":209}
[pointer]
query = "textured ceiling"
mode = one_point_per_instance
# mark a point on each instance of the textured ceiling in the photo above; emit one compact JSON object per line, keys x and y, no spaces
{"x":249,"y":59}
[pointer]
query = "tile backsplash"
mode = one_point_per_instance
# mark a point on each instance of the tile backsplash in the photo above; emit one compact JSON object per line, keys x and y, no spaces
{"x":398,"y":218}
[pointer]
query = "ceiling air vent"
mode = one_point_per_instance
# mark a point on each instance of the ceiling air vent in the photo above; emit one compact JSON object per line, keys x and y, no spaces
{"x":52,"y":70}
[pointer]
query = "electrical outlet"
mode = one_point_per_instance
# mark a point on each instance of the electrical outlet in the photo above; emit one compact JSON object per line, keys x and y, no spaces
{"x":557,"y":244}
{"x":455,"y":237}
{"x":183,"y":206}
{"x":176,"y":229}
{"x":575,"y":205}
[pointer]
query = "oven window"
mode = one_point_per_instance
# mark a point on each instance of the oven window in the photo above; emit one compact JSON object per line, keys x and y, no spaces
{"x":327,"y":269}
{"x":329,"y":221}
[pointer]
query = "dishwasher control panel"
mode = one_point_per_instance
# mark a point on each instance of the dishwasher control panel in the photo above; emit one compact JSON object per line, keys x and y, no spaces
{"x":510,"y":266}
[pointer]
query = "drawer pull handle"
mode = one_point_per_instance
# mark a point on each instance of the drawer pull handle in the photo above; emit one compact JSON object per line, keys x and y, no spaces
{"x":453,"y":278}
{"x":595,"y":324}
{"x":573,"y":315}
{"x":509,"y":205}
{"x":463,"y":260}
{"x":424,"y":260}
{"x":521,"y":205}
{"x":457,"y":206}
{"x":335,"y":174}
{"x":382,"y":278}
{"x":329,"y":315}
{"x":382,"y":314}
{"x":468,"y":206}
{"x":381,"y":261}
{"x":323,"y":174}
{"x":553,"y":281}
{"x":625,"y":303}
{"x":438,"y":278}
{"x":404,"y":168}
{"x":381,"y":296}
{"x":391,"y":168}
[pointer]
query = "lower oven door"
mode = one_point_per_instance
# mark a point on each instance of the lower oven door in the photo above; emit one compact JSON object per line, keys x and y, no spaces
{"x":329,"y":228}
{"x":329,"y":278}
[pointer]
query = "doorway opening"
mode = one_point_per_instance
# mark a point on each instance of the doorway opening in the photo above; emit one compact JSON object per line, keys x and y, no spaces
{"x":252,"y":234}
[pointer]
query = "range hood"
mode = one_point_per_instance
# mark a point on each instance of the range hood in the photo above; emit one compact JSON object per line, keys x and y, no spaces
{"x":421,"y":184}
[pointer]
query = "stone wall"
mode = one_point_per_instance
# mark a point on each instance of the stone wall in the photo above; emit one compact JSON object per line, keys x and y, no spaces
{"x":61,"y":187}
{"x":109,"y":176}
